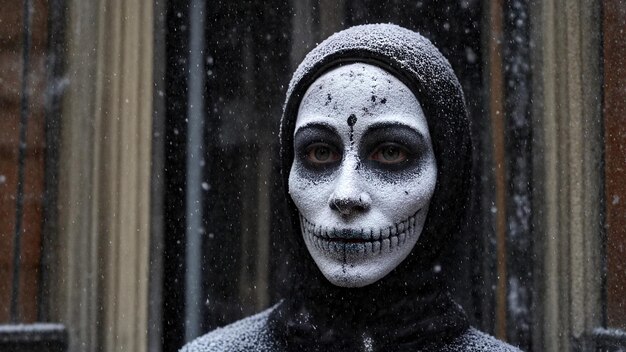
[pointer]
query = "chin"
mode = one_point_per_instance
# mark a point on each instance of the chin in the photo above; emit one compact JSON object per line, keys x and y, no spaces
{"x":346,"y":275}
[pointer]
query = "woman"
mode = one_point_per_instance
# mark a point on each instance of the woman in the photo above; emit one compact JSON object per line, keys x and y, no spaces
{"x":376,"y":159}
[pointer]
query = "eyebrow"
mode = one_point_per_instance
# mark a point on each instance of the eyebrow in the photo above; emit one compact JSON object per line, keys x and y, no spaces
{"x":386,"y":125}
{"x":315,"y":125}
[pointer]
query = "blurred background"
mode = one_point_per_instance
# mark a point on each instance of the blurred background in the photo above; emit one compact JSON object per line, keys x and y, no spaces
{"x":139,"y":180}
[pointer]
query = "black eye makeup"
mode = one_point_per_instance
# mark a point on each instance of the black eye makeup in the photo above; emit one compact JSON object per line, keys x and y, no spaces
{"x":392,"y":146}
{"x":389,"y":153}
{"x":321,"y":153}
{"x":390,"y":150}
{"x":318,"y":146}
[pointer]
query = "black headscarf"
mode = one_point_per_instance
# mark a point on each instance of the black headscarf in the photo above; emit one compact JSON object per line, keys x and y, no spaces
{"x":410,"y":307}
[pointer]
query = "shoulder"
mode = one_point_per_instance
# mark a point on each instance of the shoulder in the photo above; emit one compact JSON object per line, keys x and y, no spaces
{"x":248,"y":334}
{"x":475,"y":341}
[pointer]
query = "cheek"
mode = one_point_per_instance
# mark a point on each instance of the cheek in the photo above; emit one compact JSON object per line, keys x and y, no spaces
{"x":310,"y":195}
{"x":406,"y":193}
{"x":422,"y":187}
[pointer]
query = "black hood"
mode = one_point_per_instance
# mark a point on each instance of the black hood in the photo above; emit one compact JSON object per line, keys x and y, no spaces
{"x":415,"y":287}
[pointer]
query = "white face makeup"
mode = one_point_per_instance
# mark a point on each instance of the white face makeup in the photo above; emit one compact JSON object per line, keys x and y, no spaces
{"x":363,"y":173}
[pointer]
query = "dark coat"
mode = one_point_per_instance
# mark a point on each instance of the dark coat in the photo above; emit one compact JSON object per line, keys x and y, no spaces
{"x":253,"y":334}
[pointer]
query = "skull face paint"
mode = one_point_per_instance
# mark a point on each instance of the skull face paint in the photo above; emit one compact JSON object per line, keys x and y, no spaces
{"x":363,"y":173}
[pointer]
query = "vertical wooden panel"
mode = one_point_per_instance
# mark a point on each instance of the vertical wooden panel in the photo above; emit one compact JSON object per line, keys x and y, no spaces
{"x":567,"y":188}
{"x":145,"y":15}
{"x":108,"y":115}
{"x":126,"y":237}
{"x":128,"y":109}
{"x":497,"y":117}
{"x":615,"y":158}
{"x":74,"y":283}
{"x":11,"y":63}
{"x":105,"y":158}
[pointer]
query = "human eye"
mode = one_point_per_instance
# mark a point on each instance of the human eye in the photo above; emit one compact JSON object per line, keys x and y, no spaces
{"x":321,"y":153}
{"x":389,"y":153}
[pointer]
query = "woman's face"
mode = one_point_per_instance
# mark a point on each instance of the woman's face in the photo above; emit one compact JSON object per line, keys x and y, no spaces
{"x":363,"y":173}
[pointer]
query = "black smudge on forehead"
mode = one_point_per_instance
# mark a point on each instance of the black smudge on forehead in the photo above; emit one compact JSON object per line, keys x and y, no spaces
{"x":351,"y":123}
{"x":352,"y":120}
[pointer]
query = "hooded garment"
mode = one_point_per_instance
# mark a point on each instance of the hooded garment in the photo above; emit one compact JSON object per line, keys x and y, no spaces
{"x":410,"y":309}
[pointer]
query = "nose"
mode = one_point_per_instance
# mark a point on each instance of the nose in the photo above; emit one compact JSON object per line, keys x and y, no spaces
{"x":348,"y":205}
{"x":348,"y":196}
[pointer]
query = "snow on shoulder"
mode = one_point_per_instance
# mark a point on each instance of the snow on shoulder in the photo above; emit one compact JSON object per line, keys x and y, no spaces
{"x":476,"y":341}
{"x":249,"y":334}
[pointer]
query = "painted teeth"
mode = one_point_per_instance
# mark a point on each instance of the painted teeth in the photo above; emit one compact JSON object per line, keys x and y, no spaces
{"x":394,"y":242}
{"x":375,"y":240}
{"x":384,"y":247}
{"x":385,"y":233}
{"x":375,"y":246}
{"x":375,"y":235}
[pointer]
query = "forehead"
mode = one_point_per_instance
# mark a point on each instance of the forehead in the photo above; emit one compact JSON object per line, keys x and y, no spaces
{"x":366,"y":91}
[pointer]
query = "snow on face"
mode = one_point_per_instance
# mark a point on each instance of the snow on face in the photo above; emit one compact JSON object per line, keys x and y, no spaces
{"x":363,"y":174}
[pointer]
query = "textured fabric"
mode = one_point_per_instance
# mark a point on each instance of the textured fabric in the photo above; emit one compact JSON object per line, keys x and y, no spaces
{"x":410,"y":309}
{"x":253,"y":334}
{"x":395,"y":320}
{"x":249,"y":334}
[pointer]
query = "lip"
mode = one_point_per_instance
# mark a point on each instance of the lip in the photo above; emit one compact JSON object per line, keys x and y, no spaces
{"x":361,"y":240}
